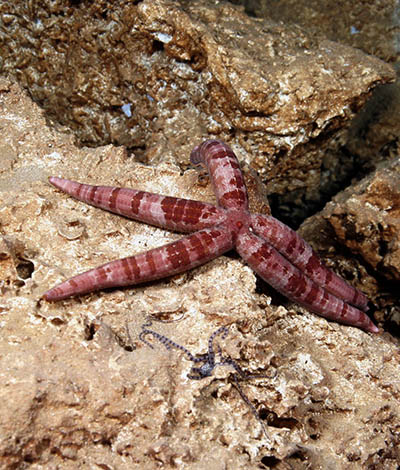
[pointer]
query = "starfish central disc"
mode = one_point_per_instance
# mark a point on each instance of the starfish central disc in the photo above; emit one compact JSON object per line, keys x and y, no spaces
{"x":274,"y":251}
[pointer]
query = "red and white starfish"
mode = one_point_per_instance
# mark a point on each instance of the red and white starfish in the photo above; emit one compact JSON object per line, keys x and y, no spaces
{"x":275,"y":252}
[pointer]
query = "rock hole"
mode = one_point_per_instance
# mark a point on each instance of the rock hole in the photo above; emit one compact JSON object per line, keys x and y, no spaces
{"x":299,"y":455}
{"x":278,"y":422}
{"x":313,"y":429}
{"x":263,"y":414}
{"x":105,"y":441}
{"x":157,"y":46}
{"x":269,"y":461}
{"x":24,"y":268}
{"x":29,"y":458}
{"x":90,"y":331}
{"x":128,"y":347}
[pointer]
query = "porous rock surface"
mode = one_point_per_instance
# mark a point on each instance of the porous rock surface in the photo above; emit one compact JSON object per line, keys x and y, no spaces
{"x":374,"y":27}
{"x":185,"y":70}
{"x":369,"y":25}
{"x":80,"y":392}
{"x":366,"y":219}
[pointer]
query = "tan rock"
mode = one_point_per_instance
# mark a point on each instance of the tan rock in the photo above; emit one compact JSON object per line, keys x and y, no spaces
{"x":366,"y":218}
{"x":78,"y":392}
{"x":369,"y":25}
{"x":188,"y":70}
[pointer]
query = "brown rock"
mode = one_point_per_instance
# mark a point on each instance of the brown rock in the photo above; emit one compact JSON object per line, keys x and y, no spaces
{"x":366,"y":218}
{"x":79,"y":392}
{"x":188,"y":70}
{"x":369,"y":25}
{"x":373,"y":136}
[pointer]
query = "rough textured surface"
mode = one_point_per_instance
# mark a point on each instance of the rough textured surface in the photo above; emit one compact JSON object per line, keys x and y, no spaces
{"x":272,"y":249}
{"x":369,"y":25}
{"x":189,"y":70}
{"x":75,"y":394}
{"x":366,"y":219}
{"x":372,"y":26}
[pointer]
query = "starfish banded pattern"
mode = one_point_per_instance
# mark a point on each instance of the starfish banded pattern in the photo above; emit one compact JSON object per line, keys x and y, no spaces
{"x":273,"y":250}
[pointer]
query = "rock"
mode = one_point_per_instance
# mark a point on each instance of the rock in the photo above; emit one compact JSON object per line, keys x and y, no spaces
{"x":159,"y":76}
{"x":366,"y":219}
{"x":366,"y":25}
{"x":372,"y":136}
{"x":78,"y":391}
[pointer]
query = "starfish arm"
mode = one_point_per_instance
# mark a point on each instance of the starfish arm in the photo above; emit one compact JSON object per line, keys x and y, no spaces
{"x":299,"y":252}
{"x":182,"y":215}
{"x":225,"y":174}
{"x":275,"y":269}
{"x":176,"y":257}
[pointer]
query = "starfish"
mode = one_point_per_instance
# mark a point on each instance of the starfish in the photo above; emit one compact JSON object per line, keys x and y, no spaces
{"x":272,"y":249}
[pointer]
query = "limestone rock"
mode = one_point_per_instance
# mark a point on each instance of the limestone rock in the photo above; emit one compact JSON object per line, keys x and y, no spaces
{"x":373,"y":136}
{"x":159,"y":76}
{"x":78,"y":391}
{"x":367,"y":219}
{"x":369,"y":25}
